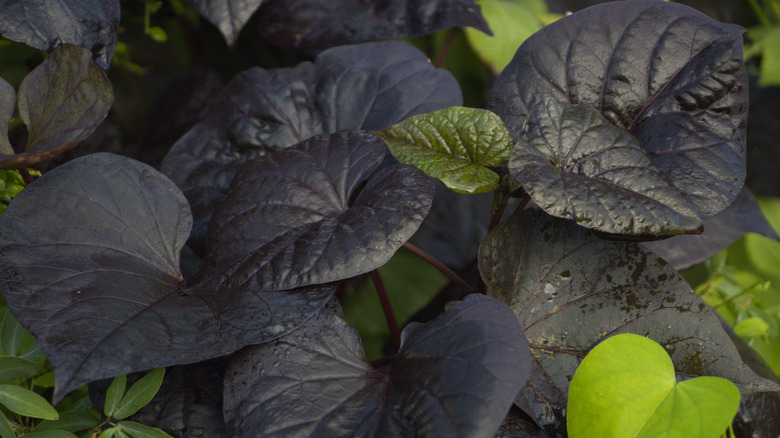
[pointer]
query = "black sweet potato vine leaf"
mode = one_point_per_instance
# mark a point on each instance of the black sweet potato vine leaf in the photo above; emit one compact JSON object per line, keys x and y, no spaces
{"x":320,"y":24}
{"x":287,"y":221}
{"x":46,"y":24}
{"x":89,"y":258}
{"x":61,"y":101}
{"x":669,"y":75}
{"x":367,"y":86}
{"x":454,"y":376}
{"x":570,"y":290}
{"x":576,"y":164}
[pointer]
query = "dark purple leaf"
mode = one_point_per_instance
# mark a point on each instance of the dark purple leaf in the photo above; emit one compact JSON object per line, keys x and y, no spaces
{"x":743,"y":216}
{"x":61,"y":101}
{"x":454,"y":376}
{"x":575,"y":164}
{"x":369,"y":86}
{"x":763,"y":155}
{"x":45,"y":24}
{"x":319,"y":24}
{"x":7,"y":107}
{"x":287,"y":221}
{"x":89,"y":257}
{"x":668,"y":74}
{"x":570,"y":290}
{"x":229,"y":16}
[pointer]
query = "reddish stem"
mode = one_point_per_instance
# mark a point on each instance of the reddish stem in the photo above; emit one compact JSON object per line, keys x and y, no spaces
{"x":26,"y":175}
{"x":440,"y":266}
{"x":388,"y":308}
{"x":444,"y":53}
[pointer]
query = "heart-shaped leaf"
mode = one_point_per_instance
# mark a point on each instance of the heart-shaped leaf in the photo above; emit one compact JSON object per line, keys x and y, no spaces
{"x":626,"y":386}
{"x":668,"y":74}
{"x":743,"y":216}
{"x":229,"y":16}
{"x":319,"y":24}
{"x":454,"y":376}
{"x":96,"y":278}
{"x":573,"y":290}
{"x":287,"y":221}
{"x":61,"y":101}
{"x":45,"y":24}
{"x":453,"y":144}
{"x":577,"y":165}
{"x":368,"y":86}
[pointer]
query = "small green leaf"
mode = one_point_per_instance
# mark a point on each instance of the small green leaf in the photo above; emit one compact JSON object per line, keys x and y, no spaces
{"x":27,"y":403}
{"x":140,"y":394}
{"x":69,"y":422}
{"x":5,"y":427}
{"x":12,"y":367}
{"x":114,"y":395}
{"x":752,"y":327}
{"x":108,"y":433}
{"x":453,"y":144}
{"x":46,"y":380}
{"x":138,"y":430}
{"x":626,"y":387}
{"x":511,"y":22}
{"x":11,"y":334}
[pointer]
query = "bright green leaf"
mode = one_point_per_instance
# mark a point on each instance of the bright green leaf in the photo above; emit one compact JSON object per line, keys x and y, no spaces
{"x":453,"y":144}
{"x":27,"y":403}
{"x":511,"y":22}
{"x":5,"y":428}
{"x":140,"y":394}
{"x":138,"y":430}
{"x":69,"y":422}
{"x":12,"y":367}
{"x":46,"y":380}
{"x":626,"y":387}
{"x":11,"y":334}
{"x":114,"y":394}
{"x":752,"y":327}
{"x":108,"y":433}
{"x":770,"y":60}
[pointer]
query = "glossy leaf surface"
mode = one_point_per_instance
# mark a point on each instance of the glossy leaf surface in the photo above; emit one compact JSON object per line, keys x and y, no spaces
{"x":229,"y":16}
{"x":668,"y":74}
{"x":570,"y":290}
{"x":454,"y":376}
{"x":454,"y":145}
{"x":61,"y":101}
{"x":577,"y":165}
{"x":109,"y":245}
{"x":368,"y":86}
{"x":46,"y":24}
{"x":319,"y":24}
{"x":287,"y":221}
{"x":626,"y":386}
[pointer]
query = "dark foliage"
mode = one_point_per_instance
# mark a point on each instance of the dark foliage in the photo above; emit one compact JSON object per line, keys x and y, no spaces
{"x":629,"y":122}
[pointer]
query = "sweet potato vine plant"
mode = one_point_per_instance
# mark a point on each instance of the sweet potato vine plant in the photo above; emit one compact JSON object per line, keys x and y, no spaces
{"x":619,"y":124}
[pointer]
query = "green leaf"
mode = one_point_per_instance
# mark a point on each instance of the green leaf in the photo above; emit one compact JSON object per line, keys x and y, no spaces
{"x":770,"y":59}
{"x":27,"y":403}
{"x":626,"y":387}
{"x":140,"y":394}
{"x":114,"y":394}
{"x":138,"y":430}
{"x":108,"y":433}
{"x":11,"y":334}
{"x":453,"y":144}
{"x":69,"y":422}
{"x":5,"y":427}
{"x":511,"y":22}
{"x":12,"y":367}
{"x":51,"y":434}
{"x":752,"y":327}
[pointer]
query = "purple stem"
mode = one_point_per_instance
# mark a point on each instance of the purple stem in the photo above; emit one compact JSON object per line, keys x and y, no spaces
{"x":440,"y":266}
{"x":388,"y":308}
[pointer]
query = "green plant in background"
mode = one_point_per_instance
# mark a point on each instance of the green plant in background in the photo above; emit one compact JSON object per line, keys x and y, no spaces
{"x":765,"y":41}
{"x":626,"y":387}
{"x":120,"y":405}
{"x":742,"y":283}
